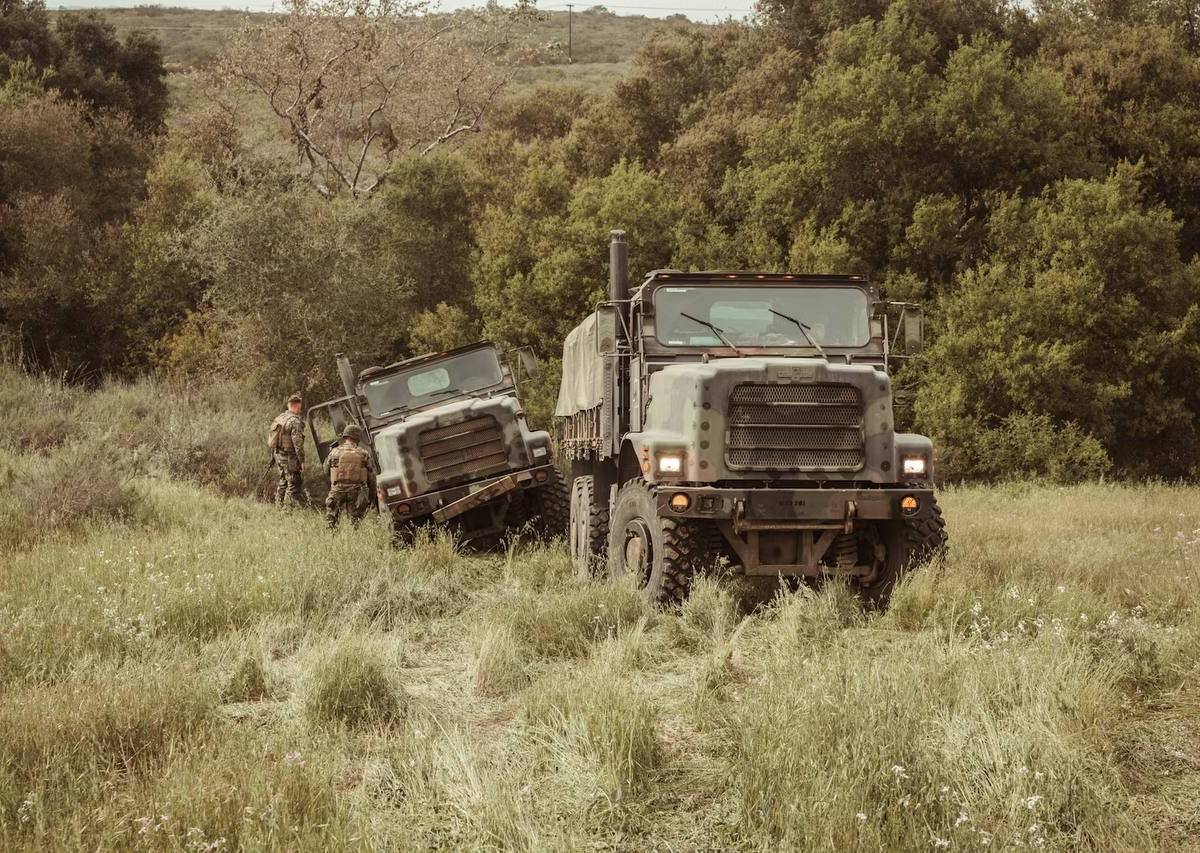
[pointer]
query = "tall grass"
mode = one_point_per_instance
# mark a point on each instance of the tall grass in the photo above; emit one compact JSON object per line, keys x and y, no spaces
{"x":188,"y":670}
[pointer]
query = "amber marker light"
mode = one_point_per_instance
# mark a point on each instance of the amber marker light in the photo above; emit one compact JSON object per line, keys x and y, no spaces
{"x":541,"y":476}
{"x":680,"y":502}
{"x":909,"y":505}
{"x":403,"y":509}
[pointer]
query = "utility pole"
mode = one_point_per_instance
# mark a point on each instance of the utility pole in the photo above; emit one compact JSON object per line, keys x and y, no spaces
{"x":570,"y":31}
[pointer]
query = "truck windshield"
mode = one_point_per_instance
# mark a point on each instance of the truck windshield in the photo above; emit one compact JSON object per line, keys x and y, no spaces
{"x":751,"y":316}
{"x":419,"y":386}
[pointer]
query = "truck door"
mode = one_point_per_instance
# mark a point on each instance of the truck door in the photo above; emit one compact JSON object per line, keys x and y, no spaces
{"x":326,"y":422}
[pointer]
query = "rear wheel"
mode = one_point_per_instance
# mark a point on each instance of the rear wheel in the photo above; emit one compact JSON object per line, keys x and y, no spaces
{"x":588,"y":528}
{"x":663,"y":554}
{"x":908,"y":542}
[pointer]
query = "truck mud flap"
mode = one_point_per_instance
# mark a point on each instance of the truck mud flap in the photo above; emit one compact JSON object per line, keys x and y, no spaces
{"x":487,"y":494}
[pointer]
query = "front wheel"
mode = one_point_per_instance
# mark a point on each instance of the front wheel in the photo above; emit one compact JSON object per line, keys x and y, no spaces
{"x":554,"y":508}
{"x":663,"y":554}
{"x":908,"y":542}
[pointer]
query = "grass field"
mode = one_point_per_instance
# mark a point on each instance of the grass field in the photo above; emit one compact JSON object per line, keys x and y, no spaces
{"x":185,"y":670}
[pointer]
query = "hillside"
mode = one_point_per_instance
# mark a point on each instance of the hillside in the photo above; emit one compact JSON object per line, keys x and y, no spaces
{"x":603,"y":44}
{"x":182,"y":670}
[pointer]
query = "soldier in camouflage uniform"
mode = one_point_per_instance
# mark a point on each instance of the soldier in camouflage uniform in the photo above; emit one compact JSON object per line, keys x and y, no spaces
{"x":287,"y":444}
{"x":348,"y":467}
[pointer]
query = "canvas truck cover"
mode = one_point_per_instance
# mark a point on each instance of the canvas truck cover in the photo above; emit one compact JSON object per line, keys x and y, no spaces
{"x":582,"y":385}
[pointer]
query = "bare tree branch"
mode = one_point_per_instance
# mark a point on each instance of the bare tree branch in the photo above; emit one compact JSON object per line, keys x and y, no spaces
{"x":364,"y":78}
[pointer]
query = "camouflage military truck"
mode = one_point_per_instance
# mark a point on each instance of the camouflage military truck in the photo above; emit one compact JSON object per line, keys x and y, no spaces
{"x":449,"y":442}
{"x":742,"y":415}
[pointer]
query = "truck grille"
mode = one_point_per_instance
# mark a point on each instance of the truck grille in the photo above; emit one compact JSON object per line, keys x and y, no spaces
{"x":467,"y":450}
{"x":810,"y":427}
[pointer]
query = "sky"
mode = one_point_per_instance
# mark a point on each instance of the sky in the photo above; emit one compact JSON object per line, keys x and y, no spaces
{"x":697,"y":10}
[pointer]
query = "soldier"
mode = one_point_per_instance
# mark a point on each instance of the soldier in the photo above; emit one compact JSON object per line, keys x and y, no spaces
{"x":287,"y":444}
{"x":347,"y":466}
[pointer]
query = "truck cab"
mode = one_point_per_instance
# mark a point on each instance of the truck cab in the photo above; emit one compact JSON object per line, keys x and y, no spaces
{"x":746,"y":416}
{"x":450,"y":443}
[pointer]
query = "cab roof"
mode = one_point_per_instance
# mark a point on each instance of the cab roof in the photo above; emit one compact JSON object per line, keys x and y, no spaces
{"x":428,"y":357}
{"x":657,"y":278}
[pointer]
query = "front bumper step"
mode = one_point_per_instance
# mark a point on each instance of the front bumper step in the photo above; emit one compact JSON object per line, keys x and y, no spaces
{"x":792,"y":509}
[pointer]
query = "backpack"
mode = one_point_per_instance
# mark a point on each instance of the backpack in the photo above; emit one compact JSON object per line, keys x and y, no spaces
{"x":278,"y":438}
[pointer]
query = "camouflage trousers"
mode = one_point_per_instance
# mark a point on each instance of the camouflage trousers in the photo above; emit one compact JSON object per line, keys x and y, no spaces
{"x":291,"y":483}
{"x":349,"y":497}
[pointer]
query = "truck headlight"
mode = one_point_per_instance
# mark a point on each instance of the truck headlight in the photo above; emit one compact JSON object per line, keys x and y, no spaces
{"x":539,"y":452}
{"x":395,"y":491}
{"x":914,"y":466}
{"x":670,"y":463}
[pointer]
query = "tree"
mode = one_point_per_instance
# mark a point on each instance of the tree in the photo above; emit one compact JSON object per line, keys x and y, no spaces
{"x":355,"y":82}
{"x":85,"y":61}
{"x":1081,"y":327}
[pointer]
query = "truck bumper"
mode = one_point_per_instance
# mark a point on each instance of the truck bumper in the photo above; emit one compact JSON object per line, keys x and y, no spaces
{"x":411,"y":509}
{"x":793,"y":509}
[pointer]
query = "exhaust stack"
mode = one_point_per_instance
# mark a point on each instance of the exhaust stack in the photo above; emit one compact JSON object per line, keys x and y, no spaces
{"x":347,"y":374}
{"x":618,"y":267}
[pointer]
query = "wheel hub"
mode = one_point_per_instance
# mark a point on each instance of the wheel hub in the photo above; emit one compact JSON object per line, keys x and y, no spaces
{"x":639,"y":550}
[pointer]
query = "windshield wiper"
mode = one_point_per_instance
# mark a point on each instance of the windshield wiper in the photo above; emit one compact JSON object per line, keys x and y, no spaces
{"x":803,"y":330}
{"x":445,"y":391}
{"x":720,"y":334}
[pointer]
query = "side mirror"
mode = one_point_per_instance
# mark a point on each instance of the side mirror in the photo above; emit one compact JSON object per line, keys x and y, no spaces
{"x":913,"y":320}
{"x":607,"y":321}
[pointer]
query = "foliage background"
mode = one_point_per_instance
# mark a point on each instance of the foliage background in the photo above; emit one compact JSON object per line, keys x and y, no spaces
{"x":1030,"y":173}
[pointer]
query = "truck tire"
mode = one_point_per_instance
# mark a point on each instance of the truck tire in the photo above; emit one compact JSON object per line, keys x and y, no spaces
{"x":909,"y":543}
{"x":554,"y":509}
{"x":664,"y":553}
{"x":588,"y":528}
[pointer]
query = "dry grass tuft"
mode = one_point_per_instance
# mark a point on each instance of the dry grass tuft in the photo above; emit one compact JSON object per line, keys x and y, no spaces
{"x":247,"y":683}
{"x":354,"y":686}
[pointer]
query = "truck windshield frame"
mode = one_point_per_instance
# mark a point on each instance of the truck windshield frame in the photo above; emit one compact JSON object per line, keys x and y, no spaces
{"x":834,"y":316}
{"x":433,"y":382}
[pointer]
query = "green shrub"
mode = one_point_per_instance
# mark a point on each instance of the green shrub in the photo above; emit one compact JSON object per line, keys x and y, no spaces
{"x":76,"y":484}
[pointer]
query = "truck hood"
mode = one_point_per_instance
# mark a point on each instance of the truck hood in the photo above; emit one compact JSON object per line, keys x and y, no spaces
{"x":773,"y":418}
{"x":456,"y":443}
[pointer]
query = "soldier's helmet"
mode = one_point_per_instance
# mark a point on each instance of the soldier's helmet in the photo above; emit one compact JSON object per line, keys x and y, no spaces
{"x":352,"y":432}
{"x":295,"y":398}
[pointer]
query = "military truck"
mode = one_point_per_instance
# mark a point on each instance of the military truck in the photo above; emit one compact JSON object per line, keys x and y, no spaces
{"x":449,"y":443}
{"x":747,"y":416}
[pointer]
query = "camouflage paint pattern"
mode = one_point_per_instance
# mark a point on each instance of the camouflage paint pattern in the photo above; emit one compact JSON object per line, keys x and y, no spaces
{"x":397,"y":446}
{"x":688,"y":402}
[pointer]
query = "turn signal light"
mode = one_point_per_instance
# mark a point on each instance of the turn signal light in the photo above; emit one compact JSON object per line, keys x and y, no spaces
{"x":541,"y":476}
{"x":680,"y":502}
{"x":403,"y":509}
{"x":909,"y":505}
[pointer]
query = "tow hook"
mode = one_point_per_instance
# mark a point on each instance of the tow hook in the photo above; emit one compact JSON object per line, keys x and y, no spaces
{"x":851,"y":514}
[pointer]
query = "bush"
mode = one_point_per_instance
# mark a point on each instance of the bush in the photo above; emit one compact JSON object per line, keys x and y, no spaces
{"x":352,"y":686}
{"x":44,"y":495}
